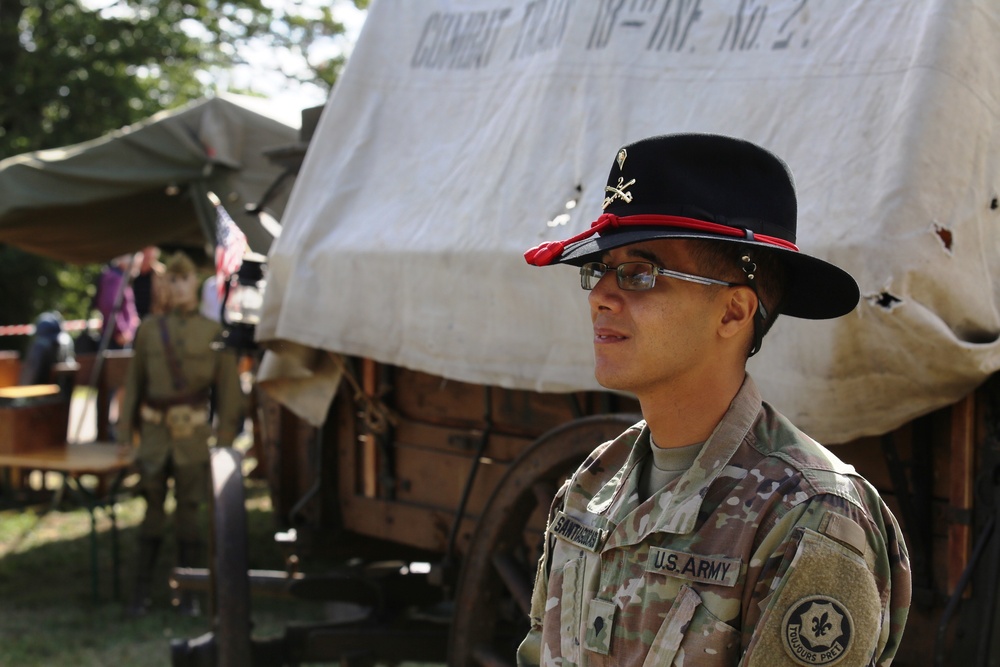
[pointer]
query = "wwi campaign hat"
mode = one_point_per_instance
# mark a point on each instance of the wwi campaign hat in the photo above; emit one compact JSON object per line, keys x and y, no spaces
{"x":712,"y":187}
{"x":180,"y":264}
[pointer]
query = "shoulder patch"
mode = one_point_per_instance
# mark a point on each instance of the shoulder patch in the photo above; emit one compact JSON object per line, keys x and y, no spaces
{"x":826,"y":609}
{"x":817,"y":630}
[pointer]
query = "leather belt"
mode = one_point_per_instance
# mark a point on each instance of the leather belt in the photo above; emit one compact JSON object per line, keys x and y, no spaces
{"x":180,"y":420}
{"x":197,"y":398}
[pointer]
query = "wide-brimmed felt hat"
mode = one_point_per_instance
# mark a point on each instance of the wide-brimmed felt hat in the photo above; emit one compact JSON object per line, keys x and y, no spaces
{"x":180,"y":264}
{"x":706,"y":186}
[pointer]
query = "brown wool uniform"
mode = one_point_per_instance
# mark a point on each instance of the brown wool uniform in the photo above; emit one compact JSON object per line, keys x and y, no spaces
{"x":768,"y":551}
{"x":151,"y":392}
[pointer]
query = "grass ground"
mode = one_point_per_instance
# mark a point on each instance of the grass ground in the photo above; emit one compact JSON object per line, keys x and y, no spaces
{"x":47,"y":612}
{"x":48,"y":616}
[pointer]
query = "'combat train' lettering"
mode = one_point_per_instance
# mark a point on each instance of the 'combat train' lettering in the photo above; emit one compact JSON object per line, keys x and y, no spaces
{"x":458,"y":40}
{"x":543,"y":27}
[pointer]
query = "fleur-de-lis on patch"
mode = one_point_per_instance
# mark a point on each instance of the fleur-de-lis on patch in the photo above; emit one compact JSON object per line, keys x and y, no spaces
{"x":821,"y":625}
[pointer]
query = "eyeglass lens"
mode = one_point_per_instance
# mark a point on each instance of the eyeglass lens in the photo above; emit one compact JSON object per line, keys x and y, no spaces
{"x":633,"y":276}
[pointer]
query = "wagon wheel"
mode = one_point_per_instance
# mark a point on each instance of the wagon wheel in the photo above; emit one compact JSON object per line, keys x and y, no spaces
{"x":494,"y":592}
{"x":229,"y":559}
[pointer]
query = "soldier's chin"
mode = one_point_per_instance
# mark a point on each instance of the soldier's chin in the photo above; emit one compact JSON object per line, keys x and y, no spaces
{"x":611,"y":381}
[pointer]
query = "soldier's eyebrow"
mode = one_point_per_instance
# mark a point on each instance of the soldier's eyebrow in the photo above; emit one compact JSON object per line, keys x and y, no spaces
{"x":633,"y":254}
{"x":648,"y":255}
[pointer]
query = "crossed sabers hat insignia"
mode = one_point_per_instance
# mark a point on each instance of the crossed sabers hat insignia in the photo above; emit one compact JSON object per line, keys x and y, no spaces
{"x":618,"y":191}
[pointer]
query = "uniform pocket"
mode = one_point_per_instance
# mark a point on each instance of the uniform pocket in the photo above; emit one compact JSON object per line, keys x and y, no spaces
{"x":199,"y":367}
{"x":570,"y":606}
{"x":709,"y":642}
{"x":692,"y":635}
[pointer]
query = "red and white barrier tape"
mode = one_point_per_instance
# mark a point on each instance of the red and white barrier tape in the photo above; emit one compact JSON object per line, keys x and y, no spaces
{"x":29,"y":329}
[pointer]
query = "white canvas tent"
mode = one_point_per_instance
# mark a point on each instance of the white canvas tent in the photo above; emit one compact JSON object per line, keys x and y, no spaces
{"x":461,"y":129}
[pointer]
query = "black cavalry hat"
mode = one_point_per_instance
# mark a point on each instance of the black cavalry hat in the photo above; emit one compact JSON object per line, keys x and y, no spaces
{"x":712,"y":187}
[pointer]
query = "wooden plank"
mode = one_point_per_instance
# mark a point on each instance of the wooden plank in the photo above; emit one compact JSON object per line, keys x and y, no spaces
{"x":415,"y":525}
{"x":421,"y":526}
{"x":435,"y":400}
{"x":369,"y":462}
{"x":866,"y":455}
{"x":28,"y":428}
{"x":348,"y":467}
{"x":28,"y":391}
{"x":502,"y":448}
{"x":436,"y":479}
{"x":10,"y":367}
{"x":428,"y":398}
{"x":961,"y":487}
{"x":531,"y":413}
{"x":79,"y":459}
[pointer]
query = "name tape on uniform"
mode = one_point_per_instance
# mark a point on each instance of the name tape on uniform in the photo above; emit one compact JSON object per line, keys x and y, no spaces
{"x":575,"y":532}
{"x":694,"y":567}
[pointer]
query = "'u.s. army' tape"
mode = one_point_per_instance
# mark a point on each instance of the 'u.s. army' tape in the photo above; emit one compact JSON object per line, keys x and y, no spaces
{"x":694,"y":567}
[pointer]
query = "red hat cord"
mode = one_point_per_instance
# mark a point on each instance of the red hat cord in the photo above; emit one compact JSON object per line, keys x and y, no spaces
{"x":545,"y":253}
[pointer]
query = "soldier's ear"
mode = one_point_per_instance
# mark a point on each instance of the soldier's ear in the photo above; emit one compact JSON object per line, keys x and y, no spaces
{"x":739,"y":303}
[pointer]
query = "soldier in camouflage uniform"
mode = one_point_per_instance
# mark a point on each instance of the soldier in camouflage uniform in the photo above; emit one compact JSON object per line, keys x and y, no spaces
{"x":174,"y":372}
{"x":713,"y":532}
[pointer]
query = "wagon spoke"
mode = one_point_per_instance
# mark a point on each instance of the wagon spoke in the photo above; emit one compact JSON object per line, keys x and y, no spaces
{"x":514,"y":579}
{"x":493,"y":600}
{"x":544,"y":492}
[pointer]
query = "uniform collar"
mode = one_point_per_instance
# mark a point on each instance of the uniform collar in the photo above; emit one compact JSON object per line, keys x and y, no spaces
{"x":677,"y":505}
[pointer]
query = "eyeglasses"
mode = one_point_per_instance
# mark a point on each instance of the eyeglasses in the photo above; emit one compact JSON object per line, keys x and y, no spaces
{"x":639,"y":276}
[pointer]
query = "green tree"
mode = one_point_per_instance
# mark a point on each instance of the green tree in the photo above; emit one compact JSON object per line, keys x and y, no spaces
{"x":71,"y":70}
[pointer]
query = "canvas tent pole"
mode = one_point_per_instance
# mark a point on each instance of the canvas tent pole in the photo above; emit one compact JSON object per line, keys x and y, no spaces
{"x":95,"y":371}
{"x":204,"y":202}
{"x":256,"y":208}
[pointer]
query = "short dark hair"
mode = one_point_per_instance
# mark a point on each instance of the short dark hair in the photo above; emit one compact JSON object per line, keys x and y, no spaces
{"x":724,"y":260}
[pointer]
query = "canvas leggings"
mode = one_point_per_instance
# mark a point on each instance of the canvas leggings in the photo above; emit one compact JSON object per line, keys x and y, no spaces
{"x":190,"y":491}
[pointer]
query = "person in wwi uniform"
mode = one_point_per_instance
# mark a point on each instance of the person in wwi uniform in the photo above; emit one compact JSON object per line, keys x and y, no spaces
{"x":177,"y":368}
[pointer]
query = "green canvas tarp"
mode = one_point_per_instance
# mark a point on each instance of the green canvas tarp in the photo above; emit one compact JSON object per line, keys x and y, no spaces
{"x":147,"y":184}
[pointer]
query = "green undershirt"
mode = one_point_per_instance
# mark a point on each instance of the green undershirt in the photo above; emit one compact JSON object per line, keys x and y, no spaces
{"x":664,"y":466}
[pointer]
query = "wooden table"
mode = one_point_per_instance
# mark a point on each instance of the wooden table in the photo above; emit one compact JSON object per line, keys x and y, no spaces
{"x":73,"y":461}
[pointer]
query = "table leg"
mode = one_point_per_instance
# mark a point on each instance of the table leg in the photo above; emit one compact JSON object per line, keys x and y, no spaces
{"x":116,"y":579}
{"x":85,"y":499}
{"x":93,"y":553}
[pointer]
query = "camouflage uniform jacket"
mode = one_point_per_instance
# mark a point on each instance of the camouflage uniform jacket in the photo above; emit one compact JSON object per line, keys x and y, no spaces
{"x":150,"y":380}
{"x":768,"y":551}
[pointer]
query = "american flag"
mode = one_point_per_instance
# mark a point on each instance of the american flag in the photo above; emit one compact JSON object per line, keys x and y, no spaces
{"x":230,"y":245}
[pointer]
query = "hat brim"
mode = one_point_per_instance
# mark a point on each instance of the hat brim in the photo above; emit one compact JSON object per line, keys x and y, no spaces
{"x":814,"y":290}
